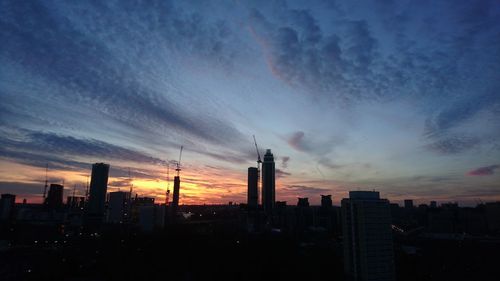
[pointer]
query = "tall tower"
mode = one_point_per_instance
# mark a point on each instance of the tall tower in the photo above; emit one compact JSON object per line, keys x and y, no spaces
{"x":175,"y":199}
{"x":268,"y":182}
{"x":368,"y":246}
{"x":97,"y":193}
{"x":253,"y":192}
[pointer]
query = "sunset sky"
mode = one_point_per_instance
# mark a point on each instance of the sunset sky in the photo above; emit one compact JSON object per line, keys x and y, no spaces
{"x":398,"y":96}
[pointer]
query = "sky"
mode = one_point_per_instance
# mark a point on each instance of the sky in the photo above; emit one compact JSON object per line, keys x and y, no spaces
{"x":401,"y":97}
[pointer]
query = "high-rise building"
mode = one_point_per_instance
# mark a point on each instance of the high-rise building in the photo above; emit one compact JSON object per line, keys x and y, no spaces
{"x":253,"y":192}
{"x":326,"y":201}
{"x":97,"y":194}
{"x":55,"y":196}
{"x":408,"y":204}
{"x":7,"y":204}
{"x":367,"y":237}
{"x":118,"y":207}
{"x":268,"y":182}
{"x":433,"y":204}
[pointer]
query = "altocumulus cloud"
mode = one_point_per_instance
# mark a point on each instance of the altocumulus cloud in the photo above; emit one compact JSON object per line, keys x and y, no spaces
{"x":484,"y":171}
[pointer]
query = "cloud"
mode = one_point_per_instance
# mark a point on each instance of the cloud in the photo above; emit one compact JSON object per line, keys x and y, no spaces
{"x":318,"y":147}
{"x":284,"y":161}
{"x":61,"y":145}
{"x":296,"y":141}
{"x":107,"y":58}
{"x":281,"y":174}
{"x":484,"y":171}
{"x":453,"y":144}
{"x":300,"y":53}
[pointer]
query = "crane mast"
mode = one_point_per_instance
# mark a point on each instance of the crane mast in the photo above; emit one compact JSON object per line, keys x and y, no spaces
{"x":259,"y":161}
{"x":178,"y":169}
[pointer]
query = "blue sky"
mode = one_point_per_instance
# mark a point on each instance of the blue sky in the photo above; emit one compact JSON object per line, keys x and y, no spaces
{"x":398,"y":96}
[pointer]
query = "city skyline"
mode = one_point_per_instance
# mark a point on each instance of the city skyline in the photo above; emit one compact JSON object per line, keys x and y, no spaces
{"x":397,"y":97}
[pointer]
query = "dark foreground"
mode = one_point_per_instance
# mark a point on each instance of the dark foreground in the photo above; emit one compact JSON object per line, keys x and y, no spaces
{"x":224,"y":252}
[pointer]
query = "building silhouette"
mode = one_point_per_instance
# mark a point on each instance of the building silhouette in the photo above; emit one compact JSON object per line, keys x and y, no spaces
{"x":7,"y":204}
{"x":326,"y":201}
{"x":175,"y":199}
{"x":433,"y":204}
{"x":268,"y":182}
{"x":75,"y":202}
{"x":408,"y":204}
{"x":97,"y":193}
{"x":55,"y":196}
{"x":303,"y":202}
{"x":118,"y":207}
{"x":367,"y":237}
{"x":253,"y":192}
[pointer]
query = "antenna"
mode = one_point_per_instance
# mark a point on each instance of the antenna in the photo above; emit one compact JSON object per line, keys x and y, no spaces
{"x":178,"y":169}
{"x":46,"y":182}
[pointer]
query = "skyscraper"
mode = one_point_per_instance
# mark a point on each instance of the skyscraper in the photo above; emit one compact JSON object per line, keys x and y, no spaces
{"x":368,"y":246}
{"x":268,"y":182}
{"x":175,"y":200}
{"x":55,"y":196}
{"x":97,"y":193}
{"x":253,"y":192}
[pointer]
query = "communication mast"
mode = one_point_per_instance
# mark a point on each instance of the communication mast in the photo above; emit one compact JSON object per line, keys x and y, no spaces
{"x":259,"y":161}
{"x":46,"y":182}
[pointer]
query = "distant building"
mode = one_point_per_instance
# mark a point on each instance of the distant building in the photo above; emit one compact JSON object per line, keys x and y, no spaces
{"x":97,"y":194}
{"x":492,"y":212}
{"x":144,"y":201}
{"x":433,"y":204}
{"x":75,"y":202}
{"x":408,"y":204}
{"x":145,"y":212}
{"x":7,"y":203}
{"x":268,"y":182}
{"x":253,"y":192}
{"x":55,"y":196}
{"x":326,"y":201}
{"x":118,"y":207}
{"x":303,"y":202}
{"x":368,"y":245}
{"x":281,"y":204}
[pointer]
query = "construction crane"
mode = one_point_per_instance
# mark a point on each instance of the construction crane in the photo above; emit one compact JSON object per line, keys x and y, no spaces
{"x":178,"y":169}
{"x":259,"y":161}
{"x":46,"y":182}
{"x":167,"y":195}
